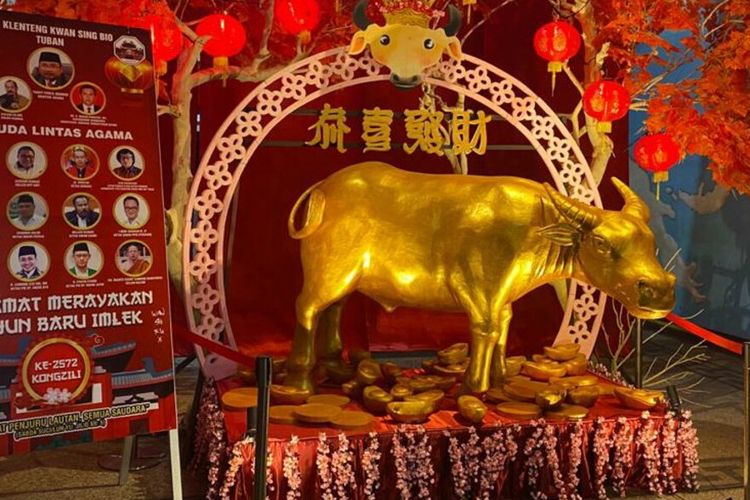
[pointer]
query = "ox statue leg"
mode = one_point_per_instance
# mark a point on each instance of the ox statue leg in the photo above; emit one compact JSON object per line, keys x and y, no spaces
{"x":328,"y":337}
{"x":498,"y":369}
{"x":301,"y":360}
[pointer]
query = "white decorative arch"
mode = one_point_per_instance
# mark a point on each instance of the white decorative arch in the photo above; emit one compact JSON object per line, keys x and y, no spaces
{"x":270,"y":102}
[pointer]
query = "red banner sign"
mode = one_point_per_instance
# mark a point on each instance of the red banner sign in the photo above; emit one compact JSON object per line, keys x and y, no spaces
{"x":85,"y":336}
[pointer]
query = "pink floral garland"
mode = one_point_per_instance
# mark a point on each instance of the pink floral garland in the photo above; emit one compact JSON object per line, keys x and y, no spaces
{"x":687,"y":440}
{"x":646,"y":442}
{"x":601,"y":444}
{"x":341,"y":464}
{"x":553,"y":459}
{"x":669,"y":453}
{"x":532,"y":450}
{"x":291,"y":469}
{"x":575,"y":456}
{"x":323,"y":464}
{"x":622,"y":457}
{"x":413,"y":462}
{"x":464,"y":462}
{"x":210,"y":438}
{"x":236,"y":461}
{"x":371,"y":466}
{"x":500,"y":448}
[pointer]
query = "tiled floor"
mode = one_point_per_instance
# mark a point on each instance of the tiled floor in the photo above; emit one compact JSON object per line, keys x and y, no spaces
{"x":73,"y":473}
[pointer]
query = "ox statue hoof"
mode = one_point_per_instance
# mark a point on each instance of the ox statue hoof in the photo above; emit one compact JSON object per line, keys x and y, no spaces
{"x":300,"y":380}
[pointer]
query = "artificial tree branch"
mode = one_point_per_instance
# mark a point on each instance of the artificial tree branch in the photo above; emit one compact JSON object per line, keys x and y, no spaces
{"x":263,"y":52}
{"x":485,"y":18}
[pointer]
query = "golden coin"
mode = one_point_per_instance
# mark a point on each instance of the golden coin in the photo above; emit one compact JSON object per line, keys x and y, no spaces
{"x":519,"y":392}
{"x":282,"y":414}
{"x":519,"y":410}
{"x":351,"y":420}
{"x":240,"y":398}
{"x":568,"y":412}
{"x":316,"y":413}
{"x":329,"y":399}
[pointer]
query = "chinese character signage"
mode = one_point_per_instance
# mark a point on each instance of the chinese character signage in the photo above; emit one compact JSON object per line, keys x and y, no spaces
{"x":429,"y":131}
{"x":85,"y":344}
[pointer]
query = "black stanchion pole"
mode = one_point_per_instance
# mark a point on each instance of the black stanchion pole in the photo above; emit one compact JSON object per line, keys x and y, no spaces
{"x":746,"y":452}
{"x":638,"y":354}
{"x":263,"y":375}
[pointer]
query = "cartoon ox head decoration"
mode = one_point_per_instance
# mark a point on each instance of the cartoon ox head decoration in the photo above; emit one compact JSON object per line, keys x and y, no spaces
{"x":406,"y":44}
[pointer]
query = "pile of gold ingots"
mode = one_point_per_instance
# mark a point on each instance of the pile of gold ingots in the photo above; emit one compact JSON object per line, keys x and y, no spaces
{"x":555,"y":385}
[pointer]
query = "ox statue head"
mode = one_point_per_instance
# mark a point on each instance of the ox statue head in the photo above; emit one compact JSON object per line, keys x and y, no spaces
{"x":616,"y":251}
{"x":406,"y":44}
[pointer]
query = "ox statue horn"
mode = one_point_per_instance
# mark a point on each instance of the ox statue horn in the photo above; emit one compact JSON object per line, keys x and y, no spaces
{"x":578,"y":214}
{"x":360,"y":15}
{"x":633,"y":204}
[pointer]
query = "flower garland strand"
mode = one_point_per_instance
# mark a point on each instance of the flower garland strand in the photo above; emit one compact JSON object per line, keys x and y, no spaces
{"x":669,"y":453}
{"x":646,"y":442}
{"x":323,"y":464}
{"x":687,"y":440}
{"x":341,"y":465}
{"x":575,"y":456}
{"x":465,"y":462}
{"x":622,"y":458}
{"x":236,"y":460}
{"x":269,"y":472}
{"x":291,"y":469}
{"x":601,"y":444}
{"x":553,"y":459}
{"x":211,"y":441}
{"x":371,"y":466}
{"x":500,"y":448}
{"x":532,"y":450}
{"x":413,"y":462}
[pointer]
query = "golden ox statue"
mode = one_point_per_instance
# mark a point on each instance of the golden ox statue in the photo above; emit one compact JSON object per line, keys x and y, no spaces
{"x":405,"y":44}
{"x":460,"y":243}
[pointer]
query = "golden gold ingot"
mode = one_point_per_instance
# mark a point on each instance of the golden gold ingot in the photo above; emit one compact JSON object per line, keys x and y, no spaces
{"x":487,"y":242}
{"x":338,"y":374}
{"x":316,"y":413}
{"x":549,"y":399}
{"x":422,"y":384}
{"x":514,"y":365}
{"x":638,"y":399}
{"x":352,"y":420}
{"x":518,"y":378}
{"x":450,"y":370}
{"x":247,"y":375}
{"x":282,"y":414}
{"x":368,"y":372}
{"x":543,"y":371}
{"x":353,"y":389}
{"x":519,"y":392}
{"x":577,"y":366}
{"x":240,"y":398}
{"x":376,"y":398}
{"x":357,"y":355}
{"x":567,"y":412}
{"x":400,"y":391}
{"x":409,"y":412}
{"x":329,"y":399}
{"x":562,"y":352}
{"x":441,"y":382}
{"x":289,"y":395}
{"x":577,"y":381}
{"x":519,"y":410}
{"x":583,"y":396}
{"x":434,"y":397}
{"x":606,"y":389}
{"x":497,"y":395}
{"x":428,"y":364}
{"x":541,"y":358}
{"x":390,"y":372}
{"x":454,"y":354}
{"x":471,"y":408}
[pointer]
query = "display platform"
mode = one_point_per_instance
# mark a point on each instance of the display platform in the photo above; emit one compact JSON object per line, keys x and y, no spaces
{"x":611,"y":449}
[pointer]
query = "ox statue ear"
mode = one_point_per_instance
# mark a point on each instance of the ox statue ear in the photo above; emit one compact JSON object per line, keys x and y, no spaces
{"x":634,"y":205}
{"x":358,"y":43}
{"x":581,"y":216}
{"x":454,"y":48}
{"x":563,"y":234}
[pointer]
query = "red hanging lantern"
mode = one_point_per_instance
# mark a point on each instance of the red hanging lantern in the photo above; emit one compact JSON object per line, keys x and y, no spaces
{"x":606,"y":101}
{"x":556,"y":42}
{"x":166,"y":37}
{"x":297,"y":17}
{"x":227,"y":37}
{"x":657,"y":153}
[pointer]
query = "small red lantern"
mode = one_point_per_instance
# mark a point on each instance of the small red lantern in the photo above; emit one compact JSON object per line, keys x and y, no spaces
{"x":166,"y":38}
{"x":606,"y":101}
{"x":227,"y":37}
{"x":657,"y":153}
{"x":297,"y":17}
{"x":556,"y":42}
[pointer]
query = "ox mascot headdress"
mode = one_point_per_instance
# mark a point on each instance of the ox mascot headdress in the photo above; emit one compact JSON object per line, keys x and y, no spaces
{"x":406,"y":44}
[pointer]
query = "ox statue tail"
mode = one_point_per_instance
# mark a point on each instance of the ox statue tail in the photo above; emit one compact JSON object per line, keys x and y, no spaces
{"x":313,"y":216}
